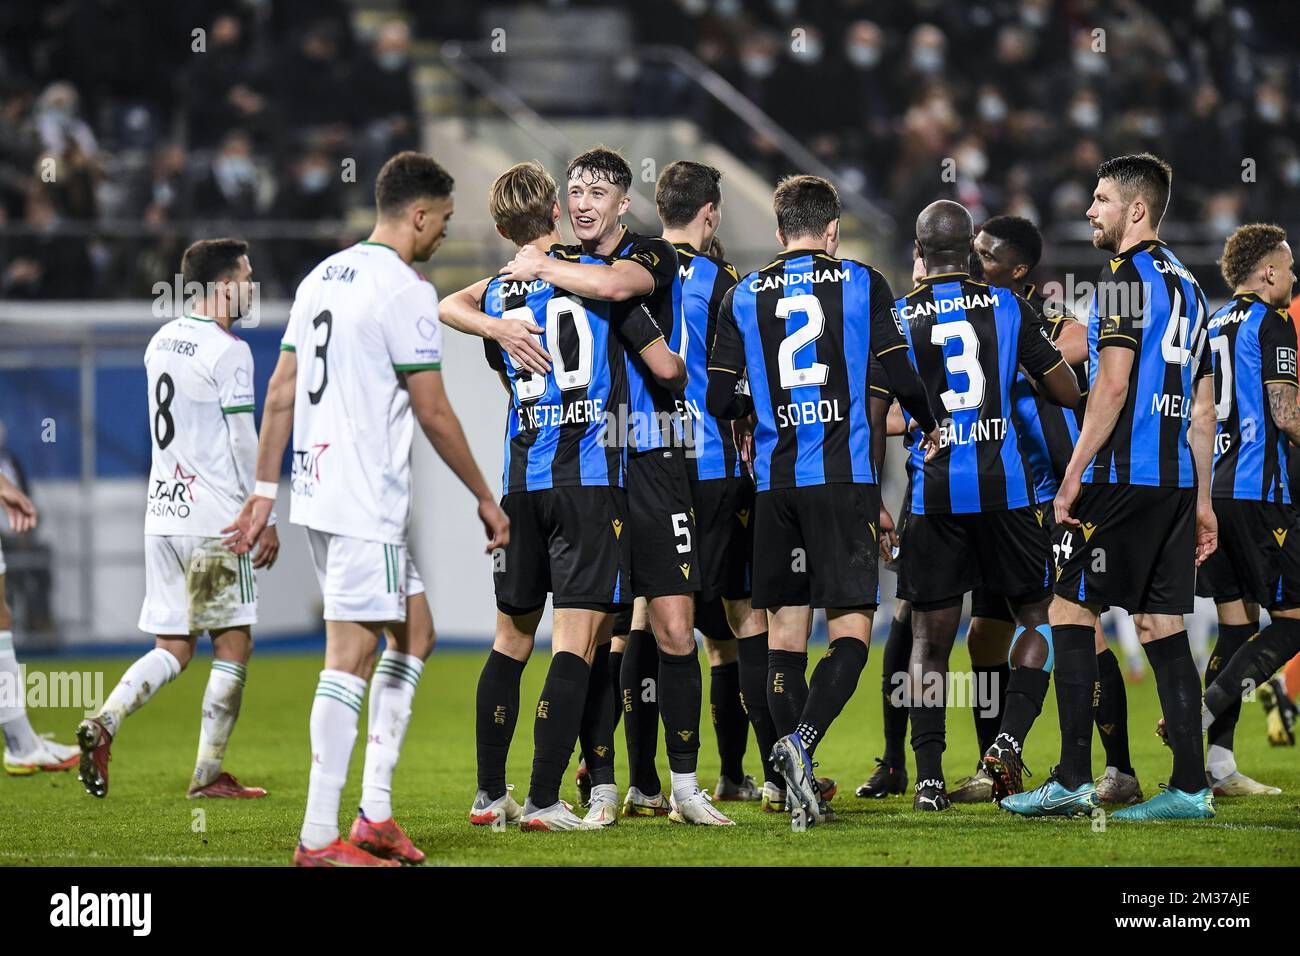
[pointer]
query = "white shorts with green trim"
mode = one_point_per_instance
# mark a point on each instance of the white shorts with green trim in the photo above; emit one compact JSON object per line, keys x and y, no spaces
{"x":194,"y":584}
{"x":364,"y":581}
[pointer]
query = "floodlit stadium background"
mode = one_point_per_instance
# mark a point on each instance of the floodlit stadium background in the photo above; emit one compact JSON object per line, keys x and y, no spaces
{"x":129,"y":129}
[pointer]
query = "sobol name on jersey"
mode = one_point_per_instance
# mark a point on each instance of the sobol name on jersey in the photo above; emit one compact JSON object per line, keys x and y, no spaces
{"x":361,"y":321}
{"x":805,"y":327}
{"x":1252,"y":345}
{"x":967,"y":342}
{"x":1147,"y":301}
{"x":557,"y":427}
{"x":705,"y":280}
{"x":200,"y":387}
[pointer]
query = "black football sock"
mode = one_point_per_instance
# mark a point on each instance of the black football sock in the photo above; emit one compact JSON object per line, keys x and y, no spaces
{"x":834,"y":680}
{"x":639,"y":692}
{"x":1026,"y":691}
{"x":787,"y":689}
{"x":1232,"y":637}
{"x":616,"y":683}
{"x":753,"y":694}
{"x":894,"y":658}
{"x":596,"y":733}
{"x":1179,"y":687}
{"x":681,"y":698}
{"x":1075,"y":647}
{"x":929,"y":734}
{"x":1253,"y":664}
{"x":555,"y":731}
{"x":1112,"y":712}
{"x":496,"y":710}
{"x":989,"y":700}
{"x":729,"y":721}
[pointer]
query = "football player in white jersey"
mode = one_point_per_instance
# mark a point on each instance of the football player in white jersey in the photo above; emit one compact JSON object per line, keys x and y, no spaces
{"x":364,"y":327}
{"x":26,"y":753}
{"x":204,"y":449}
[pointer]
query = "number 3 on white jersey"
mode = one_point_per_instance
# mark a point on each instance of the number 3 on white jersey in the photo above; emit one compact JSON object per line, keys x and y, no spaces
{"x":816,"y":373}
{"x":964,"y":362}
{"x":557,"y":309}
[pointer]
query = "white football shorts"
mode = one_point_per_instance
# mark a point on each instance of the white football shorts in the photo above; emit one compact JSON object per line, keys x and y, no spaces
{"x":363,"y":581}
{"x":193,"y":584}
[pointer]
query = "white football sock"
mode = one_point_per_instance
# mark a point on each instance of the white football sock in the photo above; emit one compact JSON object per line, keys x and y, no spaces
{"x":221,"y":702}
{"x":141,"y":681}
{"x":1220,"y":762}
{"x":391,"y":691}
{"x":334,"y":715}
{"x":684,"y":784}
{"x":20,"y":739}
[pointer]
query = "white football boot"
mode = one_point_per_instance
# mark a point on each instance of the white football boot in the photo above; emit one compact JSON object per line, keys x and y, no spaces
{"x":603,"y":805}
{"x":558,"y":816}
{"x":698,"y":809}
{"x":485,"y":812}
{"x":638,"y":804}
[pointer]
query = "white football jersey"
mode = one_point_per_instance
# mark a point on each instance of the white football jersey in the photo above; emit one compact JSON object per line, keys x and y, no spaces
{"x":200,"y":389}
{"x":360,"y":319}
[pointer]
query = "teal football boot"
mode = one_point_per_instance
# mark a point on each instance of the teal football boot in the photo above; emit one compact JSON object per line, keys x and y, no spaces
{"x":1052,"y":799}
{"x":1171,"y":804}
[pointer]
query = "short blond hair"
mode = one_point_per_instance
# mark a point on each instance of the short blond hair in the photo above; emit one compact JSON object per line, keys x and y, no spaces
{"x":522,"y":201}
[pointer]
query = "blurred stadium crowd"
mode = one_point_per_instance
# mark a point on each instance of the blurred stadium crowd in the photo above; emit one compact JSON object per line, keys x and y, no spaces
{"x":1025,"y":96}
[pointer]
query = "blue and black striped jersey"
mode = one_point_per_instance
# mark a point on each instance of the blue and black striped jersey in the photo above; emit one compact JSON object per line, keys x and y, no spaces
{"x":805,"y":327}
{"x":967,"y":341}
{"x":652,"y":419}
{"x":705,"y":280}
{"x":1253,"y":346}
{"x":1048,"y":432}
{"x":1147,"y":301}
{"x":562,"y":427}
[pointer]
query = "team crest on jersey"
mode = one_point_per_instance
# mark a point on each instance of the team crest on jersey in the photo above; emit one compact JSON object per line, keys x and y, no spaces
{"x":1088,"y":529}
{"x":1279,"y":535}
{"x":172,"y":497}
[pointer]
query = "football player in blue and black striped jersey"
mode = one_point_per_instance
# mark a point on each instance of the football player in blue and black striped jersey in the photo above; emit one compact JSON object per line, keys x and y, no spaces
{"x":640,"y":273}
{"x":805,"y":328}
{"x":563,"y":487}
{"x":972,"y":521}
{"x":1134,"y":505}
{"x":1253,"y":344}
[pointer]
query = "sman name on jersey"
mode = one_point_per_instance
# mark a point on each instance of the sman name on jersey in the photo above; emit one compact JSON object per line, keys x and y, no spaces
{"x":1253,"y":346}
{"x":805,"y":327}
{"x":968,"y":341}
{"x":361,"y":320}
{"x":204,"y":452}
{"x":1147,"y":301}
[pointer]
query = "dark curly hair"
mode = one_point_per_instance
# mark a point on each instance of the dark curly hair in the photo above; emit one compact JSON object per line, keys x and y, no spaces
{"x":1243,"y":250}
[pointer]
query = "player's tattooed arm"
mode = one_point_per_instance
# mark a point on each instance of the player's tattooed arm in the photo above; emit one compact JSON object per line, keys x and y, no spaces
{"x":1282,"y":406}
{"x":461,"y":311}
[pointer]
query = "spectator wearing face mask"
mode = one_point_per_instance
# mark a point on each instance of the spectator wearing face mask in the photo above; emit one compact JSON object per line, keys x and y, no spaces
{"x":383,"y":82}
{"x":231,"y":188}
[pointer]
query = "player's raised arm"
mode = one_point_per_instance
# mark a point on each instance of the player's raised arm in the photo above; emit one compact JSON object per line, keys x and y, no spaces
{"x":640,"y":334}
{"x":1043,"y":361}
{"x":461,"y":311}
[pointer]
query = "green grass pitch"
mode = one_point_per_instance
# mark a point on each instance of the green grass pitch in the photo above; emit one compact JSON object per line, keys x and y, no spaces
{"x":49,"y":819}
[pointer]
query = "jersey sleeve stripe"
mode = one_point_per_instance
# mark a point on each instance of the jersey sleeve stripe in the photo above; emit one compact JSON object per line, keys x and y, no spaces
{"x":722,"y":368}
{"x":648,"y":344}
{"x":418,"y":367}
{"x":286,"y":347}
{"x":236,"y":409}
{"x":892,"y":348}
